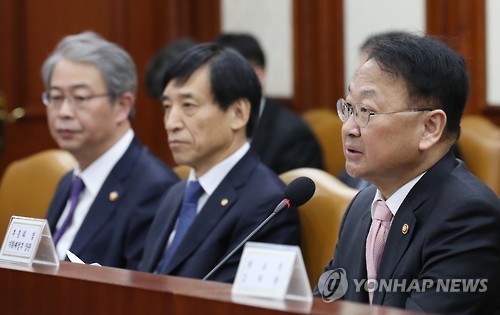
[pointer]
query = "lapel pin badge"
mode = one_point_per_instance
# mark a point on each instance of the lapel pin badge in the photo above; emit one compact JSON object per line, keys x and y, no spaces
{"x":224,"y":202}
{"x":113,"y":196}
{"x":405,"y":229}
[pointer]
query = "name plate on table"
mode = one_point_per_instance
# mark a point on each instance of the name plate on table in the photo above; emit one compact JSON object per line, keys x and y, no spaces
{"x":28,"y":241}
{"x":272,"y":271}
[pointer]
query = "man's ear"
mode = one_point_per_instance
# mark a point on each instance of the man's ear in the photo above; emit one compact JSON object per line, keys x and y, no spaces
{"x":433,"y":128}
{"x":124,"y":105}
{"x":240,"y":113}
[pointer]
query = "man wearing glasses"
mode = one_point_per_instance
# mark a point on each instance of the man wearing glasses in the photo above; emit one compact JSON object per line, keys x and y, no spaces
{"x":425,"y":235}
{"x":102,"y":209}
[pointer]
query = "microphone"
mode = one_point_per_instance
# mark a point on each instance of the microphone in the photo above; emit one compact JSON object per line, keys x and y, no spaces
{"x":298,"y":192}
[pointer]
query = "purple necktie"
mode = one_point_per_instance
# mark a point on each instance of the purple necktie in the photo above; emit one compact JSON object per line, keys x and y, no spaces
{"x":187,"y":214}
{"x":77,"y":187}
{"x":375,"y":242}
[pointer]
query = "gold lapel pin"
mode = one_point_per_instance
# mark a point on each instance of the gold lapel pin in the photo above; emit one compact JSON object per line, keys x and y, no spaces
{"x":224,"y":202}
{"x":405,"y":229}
{"x":113,"y":196}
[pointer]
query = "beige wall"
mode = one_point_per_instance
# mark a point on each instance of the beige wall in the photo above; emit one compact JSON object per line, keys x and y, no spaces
{"x":366,"y":17}
{"x":271,"y":23}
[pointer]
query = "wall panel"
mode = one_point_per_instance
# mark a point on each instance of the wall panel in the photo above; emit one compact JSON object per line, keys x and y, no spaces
{"x":319,"y":53}
{"x":462,"y":25}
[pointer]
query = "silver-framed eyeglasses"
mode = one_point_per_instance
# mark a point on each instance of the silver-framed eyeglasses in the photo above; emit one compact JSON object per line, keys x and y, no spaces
{"x":55,"y":99}
{"x":362,"y":113}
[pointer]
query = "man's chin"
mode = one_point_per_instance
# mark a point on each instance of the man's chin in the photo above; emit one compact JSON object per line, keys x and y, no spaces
{"x":71,"y":147}
{"x":355,"y":173}
{"x":180,"y":160}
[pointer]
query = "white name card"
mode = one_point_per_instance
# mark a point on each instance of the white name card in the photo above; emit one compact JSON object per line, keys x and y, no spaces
{"x":28,"y":241}
{"x":272,"y":271}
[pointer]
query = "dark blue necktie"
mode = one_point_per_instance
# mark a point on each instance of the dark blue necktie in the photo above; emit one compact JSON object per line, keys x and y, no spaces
{"x":77,"y":187}
{"x":187,"y":214}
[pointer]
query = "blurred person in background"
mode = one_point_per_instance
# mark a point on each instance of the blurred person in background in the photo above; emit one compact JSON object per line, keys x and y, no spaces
{"x":282,"y":138}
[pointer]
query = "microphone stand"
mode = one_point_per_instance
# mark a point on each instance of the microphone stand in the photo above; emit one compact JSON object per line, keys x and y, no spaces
{"x":239,"y":246}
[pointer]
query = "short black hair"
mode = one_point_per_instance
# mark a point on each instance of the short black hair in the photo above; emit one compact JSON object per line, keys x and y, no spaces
{"x":376,"y":37}
{"x":231,"y":77}
{"x":245,"y":44}
{"x":435,"y":75}
{"x":158,"y":64}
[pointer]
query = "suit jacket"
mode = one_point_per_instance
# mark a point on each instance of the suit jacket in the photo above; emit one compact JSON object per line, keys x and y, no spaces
{"x":113,"y":232}
{"x":252,"y":191}
{"x":453,"y":233}
{"x":284,"y":141}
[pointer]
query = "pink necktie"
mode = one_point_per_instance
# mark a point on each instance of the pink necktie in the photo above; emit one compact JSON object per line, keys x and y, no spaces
{"x":375,"y":242}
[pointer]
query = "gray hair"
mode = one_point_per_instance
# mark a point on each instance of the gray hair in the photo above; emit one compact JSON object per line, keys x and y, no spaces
{"x":115,"y":65}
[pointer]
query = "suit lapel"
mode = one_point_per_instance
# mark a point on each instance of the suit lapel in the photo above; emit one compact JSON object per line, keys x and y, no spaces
{"x":59,"y":203}
{"x":396,"y":245}
{"x":102,"y":209}
{"x":164,"y":224}
{"x":366,"y":221}
{"x":360,"y":254}
{"x":208,"y":218}
{"x":99,"y":214}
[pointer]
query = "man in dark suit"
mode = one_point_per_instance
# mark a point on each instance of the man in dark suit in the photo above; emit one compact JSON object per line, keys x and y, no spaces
{"x":282,"y":139}
{"x":117,"y":185}
{"x":211,"y":101}
{"x":425,"y":235}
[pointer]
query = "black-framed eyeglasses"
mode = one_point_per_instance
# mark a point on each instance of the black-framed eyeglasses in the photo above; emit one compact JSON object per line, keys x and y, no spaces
{"x":362,"y":114}
{"x":56,"y":99}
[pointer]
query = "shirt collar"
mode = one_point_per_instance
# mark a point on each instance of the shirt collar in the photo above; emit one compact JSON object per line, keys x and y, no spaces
{"x":395,"y":201}
{"x":211,"y":179}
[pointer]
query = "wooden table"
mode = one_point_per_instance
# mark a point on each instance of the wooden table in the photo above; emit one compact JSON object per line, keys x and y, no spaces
{"x":84,"y":289}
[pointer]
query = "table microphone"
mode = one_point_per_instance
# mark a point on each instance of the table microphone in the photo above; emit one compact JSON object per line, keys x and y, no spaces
{"x":298,"y":192}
